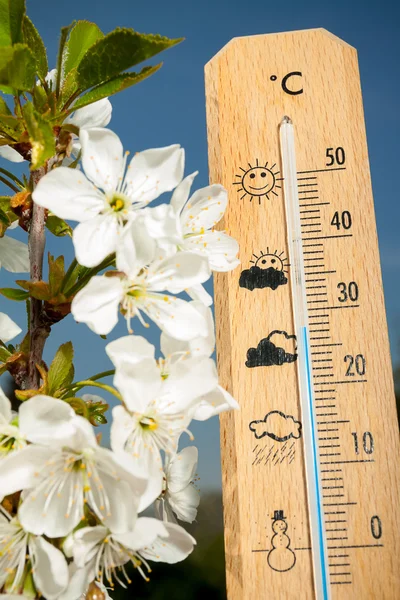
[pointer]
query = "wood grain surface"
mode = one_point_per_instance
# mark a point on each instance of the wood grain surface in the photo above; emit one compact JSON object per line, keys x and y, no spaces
{"x":313,"y":77}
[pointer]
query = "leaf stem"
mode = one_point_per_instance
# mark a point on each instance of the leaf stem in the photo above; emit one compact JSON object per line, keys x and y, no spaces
{"x":68,"y":274}
{"x":10,"y":185}
{"x":83,"y":280}
{"x":12,"y":176}
{"x":90,"y":383}
{"x":103,"y":374}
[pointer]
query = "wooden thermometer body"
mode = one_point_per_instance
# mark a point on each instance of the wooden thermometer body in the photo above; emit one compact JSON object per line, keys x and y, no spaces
{"x":313,"y":77}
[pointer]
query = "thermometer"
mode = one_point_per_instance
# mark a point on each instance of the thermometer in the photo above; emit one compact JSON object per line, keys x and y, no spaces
{"x":310,"y":462}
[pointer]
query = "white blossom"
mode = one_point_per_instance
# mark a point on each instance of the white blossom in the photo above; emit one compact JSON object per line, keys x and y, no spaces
{"x":179,"y":495}
{"x":156,"y":409}
{"x":102,"y":553}
{"x":146,"y":290}
{"x":8,"y":328}
{"x":22,"y":553}
{"x":108,"y":195}
{"x":63,"y":469}
{"x":216,"y":400}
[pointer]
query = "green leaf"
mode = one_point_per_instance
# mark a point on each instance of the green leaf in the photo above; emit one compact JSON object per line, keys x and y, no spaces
{"x":4,"y":219}
{"x":4,"y":354}
{"x":34,"y":41}
{"x":113,"y":86}
{"x":14,"y":294}
{"x":82,"y":37}
{"x":60,"y":368}
{"x":68,"y":88}
{"x":117,"y":51}
{"x":41,"y":136}
{"x":4,"y":110}
{"x":37,"y":289}
{"x":58,"y":227}
{"x":70,"y":377}
{"x":11,"y":16}
{"x":63,"y":39}
{"x":56,"y":273}
{"x":17,"y":68}
{"x":40,"y":99}
{"x":11,"y":126}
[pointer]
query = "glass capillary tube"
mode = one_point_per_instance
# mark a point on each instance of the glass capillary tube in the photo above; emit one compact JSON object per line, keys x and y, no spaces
{"x":304,"y":367}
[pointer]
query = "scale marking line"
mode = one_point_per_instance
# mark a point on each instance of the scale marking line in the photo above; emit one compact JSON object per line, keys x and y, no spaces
{"x":328,"y":237}
{"x":345,"y":462}
{"x":321,"y":170}
{"x":356,"y":546}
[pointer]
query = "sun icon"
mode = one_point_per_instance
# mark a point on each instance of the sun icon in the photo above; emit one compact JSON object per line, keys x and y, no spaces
{"x":270,"y":259}
{"x":258,"y":181}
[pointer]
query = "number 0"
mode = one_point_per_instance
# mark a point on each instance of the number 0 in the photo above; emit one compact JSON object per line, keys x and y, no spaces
{"x":376,"y":527}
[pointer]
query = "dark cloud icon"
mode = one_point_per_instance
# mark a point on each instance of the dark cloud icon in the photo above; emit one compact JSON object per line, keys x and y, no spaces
{"x":276,"y":349}
{"x":262,"y":278}
{"x":278,"y":426}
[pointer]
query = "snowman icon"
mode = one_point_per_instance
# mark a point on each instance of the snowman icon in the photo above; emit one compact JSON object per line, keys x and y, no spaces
{"x":280,"y":557}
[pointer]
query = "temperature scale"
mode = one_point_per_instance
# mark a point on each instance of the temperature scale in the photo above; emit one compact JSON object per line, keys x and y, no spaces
{"x":310,"y":462}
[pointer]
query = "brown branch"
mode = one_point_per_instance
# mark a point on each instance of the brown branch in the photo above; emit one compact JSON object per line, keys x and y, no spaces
{"x":39,"y":331}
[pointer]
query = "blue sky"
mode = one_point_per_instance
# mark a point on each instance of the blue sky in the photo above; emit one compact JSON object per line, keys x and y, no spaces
{"x":170,"y":108}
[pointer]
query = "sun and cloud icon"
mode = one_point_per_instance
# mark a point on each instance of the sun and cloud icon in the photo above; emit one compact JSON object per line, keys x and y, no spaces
{"x":269,"y":270}
{"x":258,"y":181}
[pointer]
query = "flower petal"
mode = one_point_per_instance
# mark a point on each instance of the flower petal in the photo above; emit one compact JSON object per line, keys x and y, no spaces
{"x":138,"y":383}
{"x":54,"y":507}
{"x":137,"y":374}
{"x":79,"y":580}
{"x":95,"y":239}
{"x":68,"y":194}
{"x":145,"y":533}
{"x":153,"y":172}
{"x":97,"y":304}
{"x":163,"y":225}
{"x":214,"y":403}
{"x":84,"y":541}
{"x":185,"y":503}
{"x":181,"y":193}
{"x":130,"y":348}
{"x":9,"y":153}
{"x":45,"y":420}
{"x":18,"y":470}
{"x":200,"y":346}
{"x":178,"y":272}
{"x":8,"y":329}
{"x":102,"y":157}
{"x":97,"y":114}
{"x":172,"y":549}
{"x":5,"y":408}
{"x":121,"y":428}
{"x":187,"y":381}
{"x":135,"y":248}
{"x":198,"y":293}
{"x":50,"y":572}
{"x":121,"y":487}
{"x":14,"y":255}
{"x":205,"y":208}
{"x":175,"y":316}
{"x":182,"y":468}
{"x":220,"y":248}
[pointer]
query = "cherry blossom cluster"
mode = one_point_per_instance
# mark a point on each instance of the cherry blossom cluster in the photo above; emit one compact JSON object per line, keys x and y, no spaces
{"x":71,"y":511}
